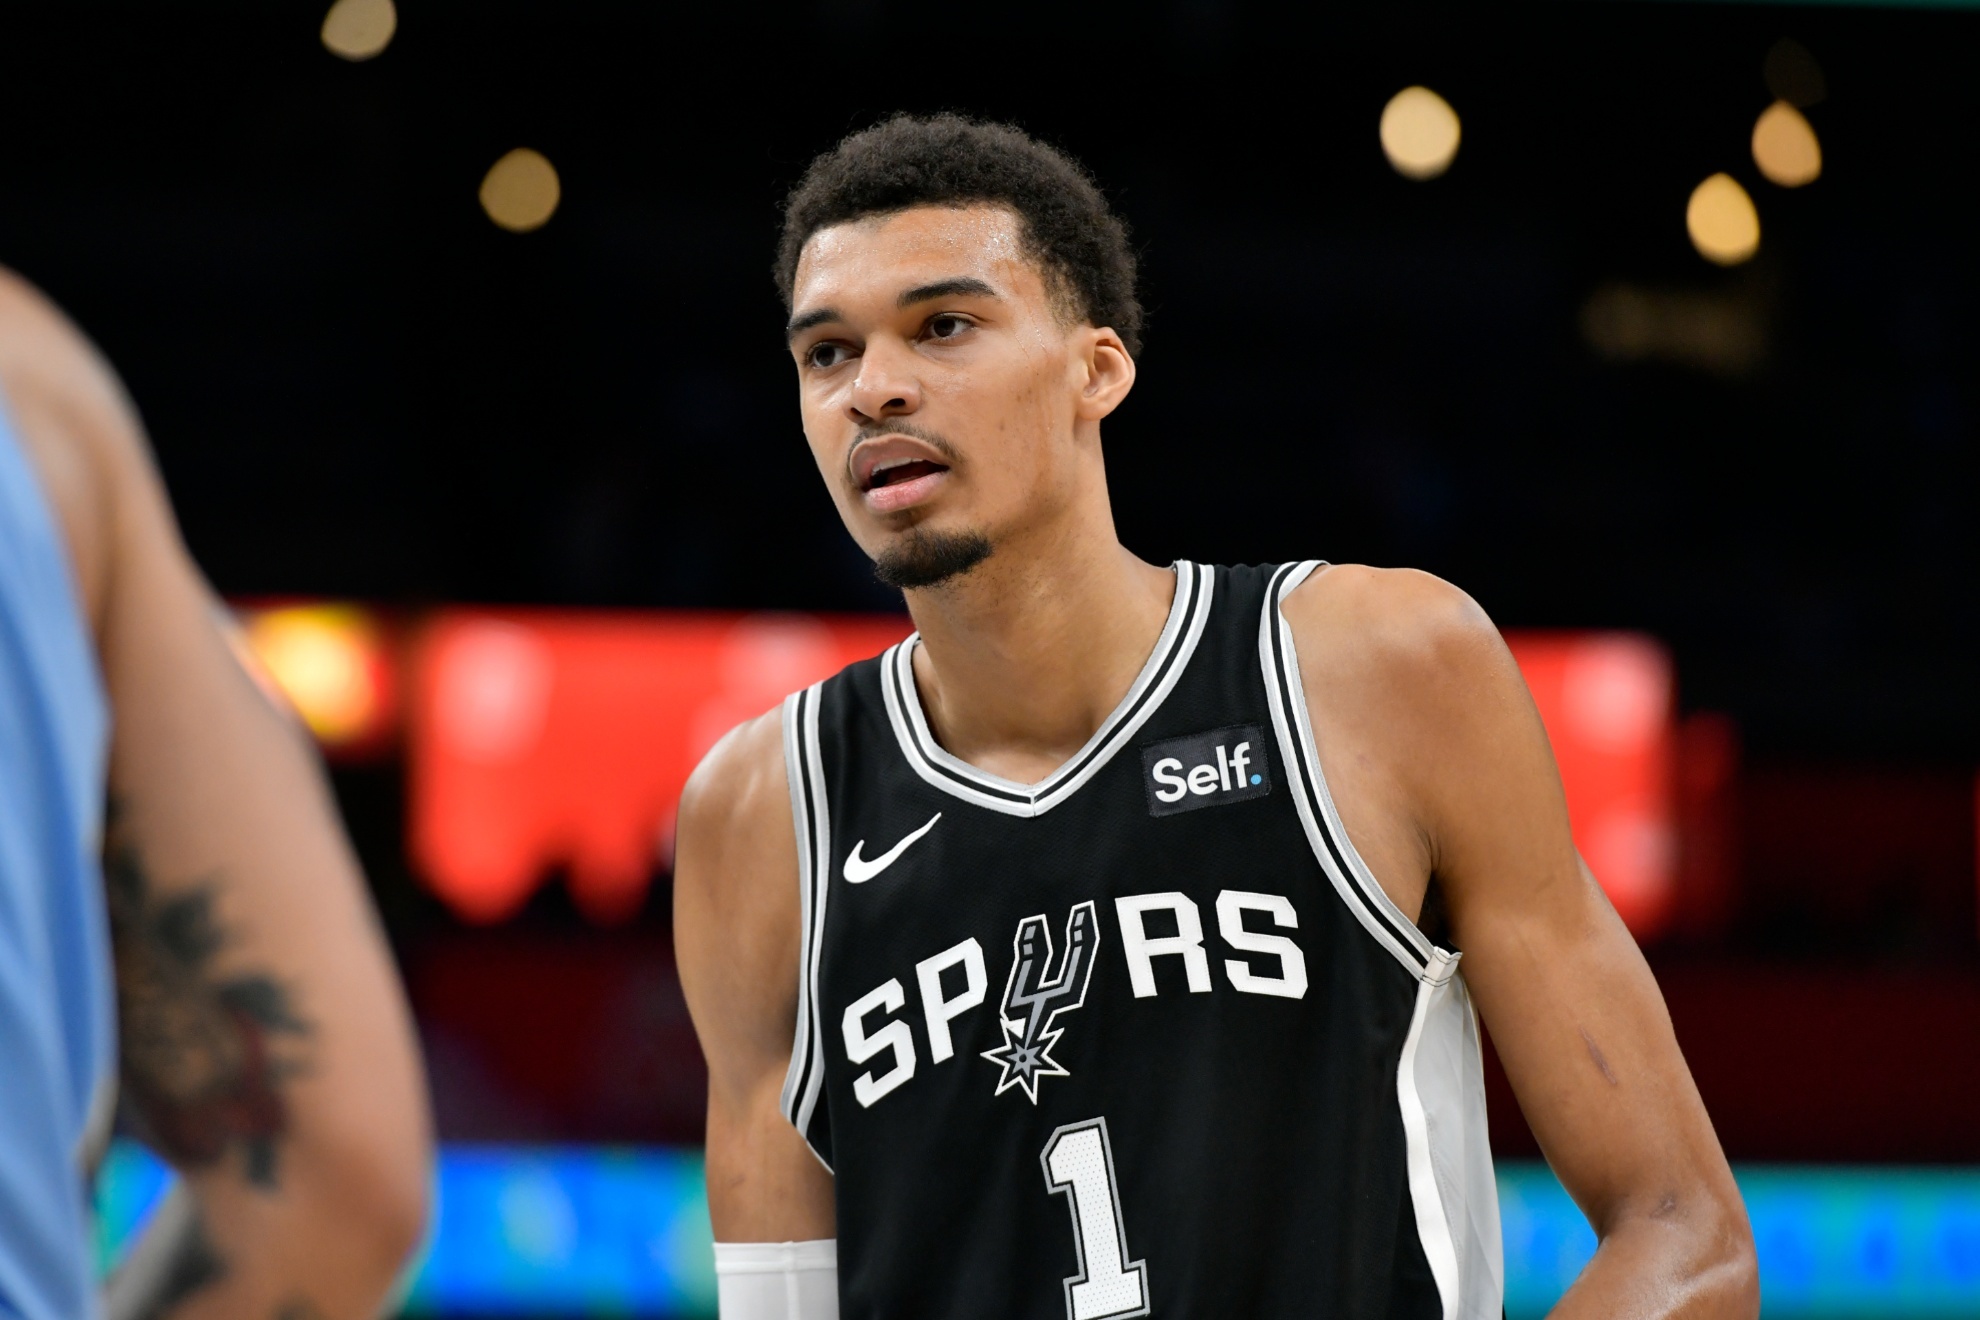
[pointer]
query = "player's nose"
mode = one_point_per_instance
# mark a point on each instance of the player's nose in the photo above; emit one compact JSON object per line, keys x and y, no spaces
{"x":886,"y":385}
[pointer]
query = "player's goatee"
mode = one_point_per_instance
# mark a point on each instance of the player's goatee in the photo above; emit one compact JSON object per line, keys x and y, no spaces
{"x":924,"y":558}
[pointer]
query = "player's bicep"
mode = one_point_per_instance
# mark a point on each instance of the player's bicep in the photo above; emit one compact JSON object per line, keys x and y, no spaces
{"x":735,"y":905}
{"x":736,"y":931}
{"x":1571,"y":1005}
{"x":1581,"y":1028}
{"x":267,"y":1040}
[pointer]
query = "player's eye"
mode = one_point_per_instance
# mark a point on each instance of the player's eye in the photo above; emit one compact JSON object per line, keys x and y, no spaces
{"x":825,"y":354}
{"x":947,"y":326}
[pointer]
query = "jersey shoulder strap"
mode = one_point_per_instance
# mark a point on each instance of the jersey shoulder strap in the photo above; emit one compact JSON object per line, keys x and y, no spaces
{"x":1292,"y":723}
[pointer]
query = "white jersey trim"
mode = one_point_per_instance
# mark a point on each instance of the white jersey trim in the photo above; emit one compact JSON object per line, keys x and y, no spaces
{"x":1344,"y":867}
{"x":801,"y":827}
{"x":811,"y":819}
{"x":1189,"y":612}
{"x":1433,"y":1226}
{"x":1440,"y":1088}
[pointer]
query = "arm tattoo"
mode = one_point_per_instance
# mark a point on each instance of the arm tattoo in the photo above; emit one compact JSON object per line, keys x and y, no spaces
{"x":206,"y":1057}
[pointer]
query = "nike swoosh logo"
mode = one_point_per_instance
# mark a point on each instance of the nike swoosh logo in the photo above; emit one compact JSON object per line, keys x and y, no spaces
{"x":859,"y":870}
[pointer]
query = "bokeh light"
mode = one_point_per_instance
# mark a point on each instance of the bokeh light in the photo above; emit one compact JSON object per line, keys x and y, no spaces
{"x":1723,"y":331}
{"x":359,"y":29}
{"x":1420,"y":133}
{"x":1724,"y":226}
{"x":1785,"y":147}
{"x":521,"y":191}
{"x":329,"y":661}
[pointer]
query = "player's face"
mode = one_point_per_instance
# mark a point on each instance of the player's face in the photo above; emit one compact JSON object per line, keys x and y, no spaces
{"x":941,"y":387}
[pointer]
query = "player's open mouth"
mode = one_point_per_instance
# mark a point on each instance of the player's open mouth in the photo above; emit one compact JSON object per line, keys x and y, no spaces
{"x":896,"y":472}
{"x":895,"y":489}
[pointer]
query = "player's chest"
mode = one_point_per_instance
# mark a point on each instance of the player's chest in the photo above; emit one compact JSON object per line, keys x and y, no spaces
{"x":966,"y":950}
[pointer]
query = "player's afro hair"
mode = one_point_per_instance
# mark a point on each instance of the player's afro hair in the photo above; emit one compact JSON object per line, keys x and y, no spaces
{"x":948,"y":160}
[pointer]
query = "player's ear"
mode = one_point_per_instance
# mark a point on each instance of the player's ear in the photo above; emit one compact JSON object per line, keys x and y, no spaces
{"x":1107,"y":372}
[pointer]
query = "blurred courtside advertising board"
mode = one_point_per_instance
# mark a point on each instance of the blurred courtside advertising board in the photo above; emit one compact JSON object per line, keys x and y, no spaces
{"x":573,"y":1231}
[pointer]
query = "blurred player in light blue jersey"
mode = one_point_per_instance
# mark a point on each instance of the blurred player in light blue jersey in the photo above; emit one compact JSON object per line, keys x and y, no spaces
{"x":57,"y":1033}
{"x":185,"y":940}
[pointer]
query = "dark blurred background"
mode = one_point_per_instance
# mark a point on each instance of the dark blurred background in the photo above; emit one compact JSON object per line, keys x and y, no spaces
{"x":359,"y":387}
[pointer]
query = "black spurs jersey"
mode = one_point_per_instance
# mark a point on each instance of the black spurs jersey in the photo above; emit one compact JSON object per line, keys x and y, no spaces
{"x":1142,"y":1038}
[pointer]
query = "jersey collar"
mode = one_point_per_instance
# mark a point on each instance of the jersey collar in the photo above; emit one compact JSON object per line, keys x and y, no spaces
{"x":1188,"y":614}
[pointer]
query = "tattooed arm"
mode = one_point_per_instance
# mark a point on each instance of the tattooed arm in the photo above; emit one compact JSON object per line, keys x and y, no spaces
{"x":266,"y":1046}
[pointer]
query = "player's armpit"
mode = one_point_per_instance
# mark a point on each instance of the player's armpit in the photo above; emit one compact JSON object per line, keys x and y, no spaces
{"x":736,"y":935}
{"x":1570,"y":1003}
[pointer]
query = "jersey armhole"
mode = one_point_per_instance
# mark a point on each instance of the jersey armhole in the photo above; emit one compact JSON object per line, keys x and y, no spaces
{"x":1328,"y":836}
{"x":811,"y":822}
{"x":1439,"y":1072}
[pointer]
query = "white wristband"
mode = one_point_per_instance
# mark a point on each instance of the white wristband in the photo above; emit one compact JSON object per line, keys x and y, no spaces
{"x":777,"y":1280}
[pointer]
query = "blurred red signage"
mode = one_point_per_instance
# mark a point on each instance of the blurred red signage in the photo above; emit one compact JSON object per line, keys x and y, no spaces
{"x":542,"y":739}
{"x":539,"y":738}
{"x":1608,"y":702}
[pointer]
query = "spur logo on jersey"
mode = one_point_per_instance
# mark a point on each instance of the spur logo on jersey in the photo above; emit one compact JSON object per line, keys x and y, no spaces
{"x":1044,"y":985}
{"x":1206,"y":770}
{"x":1036,"y":993}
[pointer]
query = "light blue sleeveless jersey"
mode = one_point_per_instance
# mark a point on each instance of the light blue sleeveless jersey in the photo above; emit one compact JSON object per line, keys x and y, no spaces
{"x":57,"y":1015}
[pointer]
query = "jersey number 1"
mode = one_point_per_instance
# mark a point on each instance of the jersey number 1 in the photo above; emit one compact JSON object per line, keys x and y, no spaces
{"x":1079,"y":1161}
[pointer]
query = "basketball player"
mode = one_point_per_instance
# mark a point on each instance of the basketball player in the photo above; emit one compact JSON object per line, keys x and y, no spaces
{"x":1095,"y":952}
{"x":249,"y":1007}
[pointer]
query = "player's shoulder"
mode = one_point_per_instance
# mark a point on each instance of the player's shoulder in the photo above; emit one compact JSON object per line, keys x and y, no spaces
{"x":1404,"y":615}
{"x":1395,"y":634}
{"x":71,"y":418}
{"x":43,"y":351}
{"x":24,"y":309}
{"x":740,"y":783}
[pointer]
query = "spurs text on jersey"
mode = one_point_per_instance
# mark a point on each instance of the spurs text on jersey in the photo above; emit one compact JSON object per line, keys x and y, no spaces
{"x":1041,"y":990}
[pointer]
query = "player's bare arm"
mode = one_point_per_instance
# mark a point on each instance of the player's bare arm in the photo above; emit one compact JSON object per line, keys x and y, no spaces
{"x":267,"y":1052}
{"x":1442,"y":772}
{"x":736,"y":940}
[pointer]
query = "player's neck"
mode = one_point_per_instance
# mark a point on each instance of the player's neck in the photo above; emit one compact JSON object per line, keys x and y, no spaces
{"x":1026,"y":656}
